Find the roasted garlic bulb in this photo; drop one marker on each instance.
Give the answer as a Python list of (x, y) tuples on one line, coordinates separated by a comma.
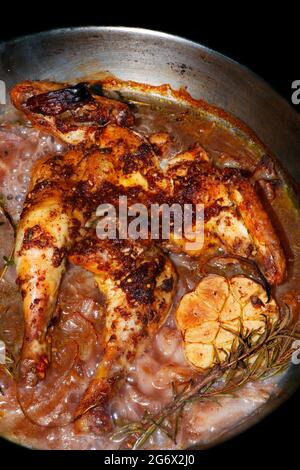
[(217, 313)]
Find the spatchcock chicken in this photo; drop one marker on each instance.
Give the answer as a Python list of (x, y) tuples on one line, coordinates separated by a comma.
[(105, 159)]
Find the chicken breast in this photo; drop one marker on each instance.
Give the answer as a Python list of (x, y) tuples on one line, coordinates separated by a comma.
[(218, 311)]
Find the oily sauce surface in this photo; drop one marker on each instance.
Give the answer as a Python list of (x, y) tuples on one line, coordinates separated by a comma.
[(43, 418)]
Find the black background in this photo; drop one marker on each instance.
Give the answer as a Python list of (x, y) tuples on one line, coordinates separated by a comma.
[(266, 43), (269, 45)]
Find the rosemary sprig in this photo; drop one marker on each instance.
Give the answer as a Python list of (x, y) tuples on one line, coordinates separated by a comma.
[(255, 357), (8, 260), (6, 214)]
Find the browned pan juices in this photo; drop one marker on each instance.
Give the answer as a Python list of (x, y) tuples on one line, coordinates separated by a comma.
[(46, 419)]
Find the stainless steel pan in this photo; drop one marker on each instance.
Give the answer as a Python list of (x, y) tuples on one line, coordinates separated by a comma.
[(157, 58)]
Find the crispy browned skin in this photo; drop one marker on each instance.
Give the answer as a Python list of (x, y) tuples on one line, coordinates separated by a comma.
[(235, 220), (51, 218), (104, 163), (136, 278), (44, 234), (72, 113), (139, 282)]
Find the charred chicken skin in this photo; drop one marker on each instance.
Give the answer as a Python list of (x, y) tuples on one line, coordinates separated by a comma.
[(235, 221), (72, 113), (107, 159), (139, 284)]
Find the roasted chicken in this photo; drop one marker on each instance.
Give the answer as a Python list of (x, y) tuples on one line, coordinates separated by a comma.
[(107, 160)]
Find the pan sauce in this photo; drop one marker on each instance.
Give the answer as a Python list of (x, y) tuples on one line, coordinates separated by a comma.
[(41, 419)]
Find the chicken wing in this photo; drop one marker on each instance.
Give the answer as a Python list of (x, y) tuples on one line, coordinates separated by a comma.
[(51, 218), (235, 221), (72, 113)]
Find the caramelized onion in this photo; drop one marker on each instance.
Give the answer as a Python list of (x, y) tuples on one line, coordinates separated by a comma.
[(48, 404)]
